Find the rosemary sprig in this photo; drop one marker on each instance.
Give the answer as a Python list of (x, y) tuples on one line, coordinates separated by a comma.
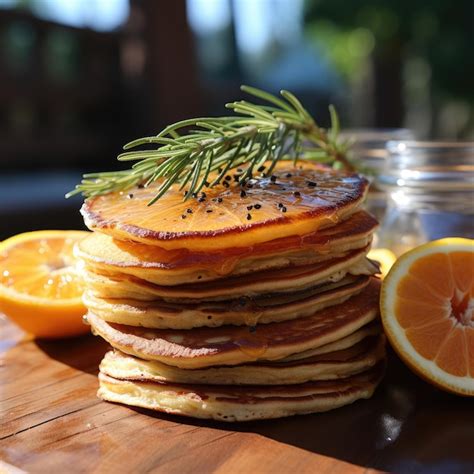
[(187, 152)]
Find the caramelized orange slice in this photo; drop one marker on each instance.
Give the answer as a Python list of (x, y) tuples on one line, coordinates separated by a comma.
[(427, 306), (293, 201)]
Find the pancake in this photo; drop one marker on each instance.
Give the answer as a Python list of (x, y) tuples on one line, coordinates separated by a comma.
[(233, 403), (369, 330), (334, 365), (287, 280), (120, 287), (263, 309), (233, 345), (295, 200), (105, 255)]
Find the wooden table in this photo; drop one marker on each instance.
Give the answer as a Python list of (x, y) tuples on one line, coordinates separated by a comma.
[(51, 421)]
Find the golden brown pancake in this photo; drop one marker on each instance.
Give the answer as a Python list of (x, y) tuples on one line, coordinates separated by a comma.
[(102, 287), (241, 403), (262, 309), (243, 302), (292, 279), (110, 257), (334, 365), (232, 345), (369, 330), (294, 201)]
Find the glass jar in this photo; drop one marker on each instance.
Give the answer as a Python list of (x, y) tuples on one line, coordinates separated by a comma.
[(430, 190), (369, 151)]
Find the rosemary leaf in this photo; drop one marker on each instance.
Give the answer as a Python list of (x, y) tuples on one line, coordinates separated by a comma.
[(199, 152)]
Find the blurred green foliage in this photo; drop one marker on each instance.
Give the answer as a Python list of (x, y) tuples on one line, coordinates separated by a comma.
[(438, 31)]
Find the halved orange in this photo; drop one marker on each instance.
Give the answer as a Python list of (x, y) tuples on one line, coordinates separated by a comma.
[(427, 307), (294, 200), (40, 287)]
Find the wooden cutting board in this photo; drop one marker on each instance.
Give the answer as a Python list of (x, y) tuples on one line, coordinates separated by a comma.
[(51, 421)]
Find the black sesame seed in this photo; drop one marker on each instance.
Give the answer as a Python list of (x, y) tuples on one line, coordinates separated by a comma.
[(194, 195), (189, 211), (243, 194), (203, 194), (206, 183), (297, 194), (249, 217), (226, 184), (185, 193), (261, 168), (228, 178), (312, 184), (219, 199), (183, 216), (130, 196), (288, 175), (140, 186), (273, 178), (208, 210), (283, 209), (249, 208), (201, 199), (240, 170), (280, 205), (258, 206)]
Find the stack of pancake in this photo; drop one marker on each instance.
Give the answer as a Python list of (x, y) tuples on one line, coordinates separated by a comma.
[(242, 302)]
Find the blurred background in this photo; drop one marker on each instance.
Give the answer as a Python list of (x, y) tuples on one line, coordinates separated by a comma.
[(79, 78)]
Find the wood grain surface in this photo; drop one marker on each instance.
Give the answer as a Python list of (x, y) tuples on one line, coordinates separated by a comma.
[(51, 421)]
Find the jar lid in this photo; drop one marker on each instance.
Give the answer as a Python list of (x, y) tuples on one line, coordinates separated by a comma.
[(442, 166), (369, 144)]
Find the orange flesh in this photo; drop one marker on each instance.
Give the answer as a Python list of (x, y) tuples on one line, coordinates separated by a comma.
[(434, 306), (41, 268)]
